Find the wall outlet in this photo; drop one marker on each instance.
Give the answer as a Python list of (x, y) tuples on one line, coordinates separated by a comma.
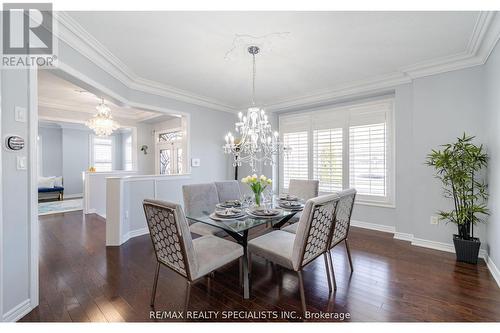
[(434, 220)]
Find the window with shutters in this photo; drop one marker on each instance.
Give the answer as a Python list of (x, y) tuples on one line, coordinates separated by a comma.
[(102, 153), (296, 162), (367, 159), (345, 147), (327, 159)]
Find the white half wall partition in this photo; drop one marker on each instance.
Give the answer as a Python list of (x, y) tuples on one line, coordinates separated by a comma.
[(94, 190), (124, 213)]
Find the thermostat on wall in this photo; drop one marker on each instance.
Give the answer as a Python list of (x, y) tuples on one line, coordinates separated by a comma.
[(195, 162), (14, 142)]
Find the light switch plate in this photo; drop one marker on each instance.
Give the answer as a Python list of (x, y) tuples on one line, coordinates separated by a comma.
[(20, 114), (195, 162), (21, 163)]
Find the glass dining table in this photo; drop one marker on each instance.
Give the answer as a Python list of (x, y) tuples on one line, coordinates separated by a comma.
[(239, 228)]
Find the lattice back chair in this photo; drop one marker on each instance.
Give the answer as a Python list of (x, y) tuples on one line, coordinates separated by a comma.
[(313, 236), (175, 249), (171, 239), (341, 225)]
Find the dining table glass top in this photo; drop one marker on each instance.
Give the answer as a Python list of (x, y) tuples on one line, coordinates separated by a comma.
[(245, 222)]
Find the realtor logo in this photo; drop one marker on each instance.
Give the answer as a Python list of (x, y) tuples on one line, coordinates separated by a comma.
[(27, 35)]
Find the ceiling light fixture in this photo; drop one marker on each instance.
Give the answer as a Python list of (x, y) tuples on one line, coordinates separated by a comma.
[(257, 143), (102, 122)]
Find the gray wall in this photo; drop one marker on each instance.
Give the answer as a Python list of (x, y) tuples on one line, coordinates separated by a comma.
[(75, 153), (14, 233), (492, 75), (51, 138)]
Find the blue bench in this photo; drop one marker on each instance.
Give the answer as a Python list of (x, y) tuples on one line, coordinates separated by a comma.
[(55, 189)]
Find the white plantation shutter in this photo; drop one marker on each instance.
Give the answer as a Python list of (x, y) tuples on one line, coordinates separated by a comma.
[(349, 146), (295, 163), (327, 159), (367, 159)]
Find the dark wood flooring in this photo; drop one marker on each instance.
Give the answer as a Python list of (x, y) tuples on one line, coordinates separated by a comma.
[(82, 280)]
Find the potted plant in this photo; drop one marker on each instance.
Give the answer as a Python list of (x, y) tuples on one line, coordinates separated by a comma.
[(458, 166), (258, 185)]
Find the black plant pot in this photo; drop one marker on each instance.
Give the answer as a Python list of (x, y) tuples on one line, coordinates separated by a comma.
[(467, 250)]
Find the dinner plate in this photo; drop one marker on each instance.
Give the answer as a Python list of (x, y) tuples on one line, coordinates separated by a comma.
[(292, 205), (229, 213), (214, 216), (229, 204), (264, 213), (289, 198)]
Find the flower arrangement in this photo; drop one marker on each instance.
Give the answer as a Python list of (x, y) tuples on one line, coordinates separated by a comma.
[(258, 185)]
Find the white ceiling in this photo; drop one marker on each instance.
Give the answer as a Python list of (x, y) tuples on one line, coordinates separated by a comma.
[(55, 93), (304, 52)]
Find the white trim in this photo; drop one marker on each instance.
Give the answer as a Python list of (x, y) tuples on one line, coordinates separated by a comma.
[(493, 268), (33, 183), (482, 41), (135, 233), (1, 207), (403, 236), (373, 226), (73, 196), (83, 42), (17, 312)]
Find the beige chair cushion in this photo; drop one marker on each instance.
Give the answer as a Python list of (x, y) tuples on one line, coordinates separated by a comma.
[(291, 228), (203, 229), (213, 252), (276, 246)]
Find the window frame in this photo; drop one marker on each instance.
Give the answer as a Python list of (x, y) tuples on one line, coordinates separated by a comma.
[(92, 151), (343, 115), (174, 148)]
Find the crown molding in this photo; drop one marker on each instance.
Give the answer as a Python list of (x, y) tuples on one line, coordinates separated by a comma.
[(483, 39), (53, 105), (73, 34), (379, 83)]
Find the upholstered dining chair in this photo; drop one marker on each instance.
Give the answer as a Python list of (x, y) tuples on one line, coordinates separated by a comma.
[(304, 189), (200, 199), (176, 250), (341, 227), (294, 251), (342, 223), (228, 190)]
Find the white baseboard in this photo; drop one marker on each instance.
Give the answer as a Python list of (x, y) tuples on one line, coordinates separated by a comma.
[(135, 233), (72, 196), (19, 311), (373, 226), (493, 268), (440, 246), (403, 236)]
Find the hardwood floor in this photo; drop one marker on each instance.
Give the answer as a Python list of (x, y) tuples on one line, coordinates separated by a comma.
[(82, 280)]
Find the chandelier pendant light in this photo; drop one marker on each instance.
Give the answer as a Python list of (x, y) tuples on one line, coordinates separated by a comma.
[(102, 122), (255, 142)]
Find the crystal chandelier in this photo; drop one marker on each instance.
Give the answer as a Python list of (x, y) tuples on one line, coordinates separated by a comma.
[(256, 141), (102, 123)]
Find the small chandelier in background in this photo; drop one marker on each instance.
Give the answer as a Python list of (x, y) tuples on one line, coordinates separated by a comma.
[(256, 141), (102, 123)]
